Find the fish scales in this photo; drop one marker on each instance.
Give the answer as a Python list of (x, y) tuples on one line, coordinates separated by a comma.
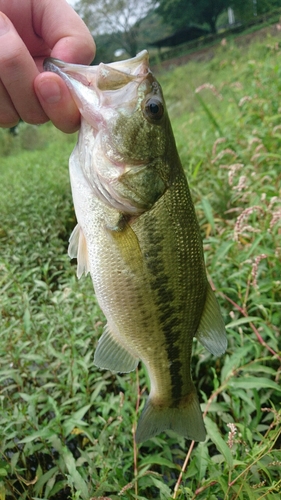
[(171, 286), (139, 238)]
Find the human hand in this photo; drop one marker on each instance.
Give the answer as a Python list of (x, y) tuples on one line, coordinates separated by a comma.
[(30, 31)]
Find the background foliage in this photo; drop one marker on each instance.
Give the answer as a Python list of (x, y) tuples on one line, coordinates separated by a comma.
[(66, 428), (127, 27), (192, 11), (208, 12)]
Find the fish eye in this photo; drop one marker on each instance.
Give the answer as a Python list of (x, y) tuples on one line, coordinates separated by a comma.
[(153, 109)]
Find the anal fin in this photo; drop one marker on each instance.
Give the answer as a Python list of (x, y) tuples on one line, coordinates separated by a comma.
[(78, 249), (211, 330), (113, 356)]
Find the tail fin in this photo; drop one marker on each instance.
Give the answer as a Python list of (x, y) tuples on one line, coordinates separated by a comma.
[(185, 419)]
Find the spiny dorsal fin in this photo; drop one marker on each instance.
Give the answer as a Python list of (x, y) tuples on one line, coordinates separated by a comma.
[(211, 330), (78, 249)]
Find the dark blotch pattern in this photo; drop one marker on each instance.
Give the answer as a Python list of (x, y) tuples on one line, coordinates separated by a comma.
[(168, 312)]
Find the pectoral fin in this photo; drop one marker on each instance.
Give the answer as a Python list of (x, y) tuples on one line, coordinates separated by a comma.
[(78, 249), (127, 242), (111, 355), (211, 330)]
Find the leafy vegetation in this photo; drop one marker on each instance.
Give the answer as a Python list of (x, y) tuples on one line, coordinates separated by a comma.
[(198, 11), (122, 28), (66, 428), (119, 20)]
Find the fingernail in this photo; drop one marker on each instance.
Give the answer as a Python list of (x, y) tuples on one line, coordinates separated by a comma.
[(50, 92), (4, 26)]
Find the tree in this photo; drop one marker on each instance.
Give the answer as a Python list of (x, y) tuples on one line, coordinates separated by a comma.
[(181, 13), (247, 9), (120, 18)]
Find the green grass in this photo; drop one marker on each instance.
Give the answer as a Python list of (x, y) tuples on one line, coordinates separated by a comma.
[(66, 428)]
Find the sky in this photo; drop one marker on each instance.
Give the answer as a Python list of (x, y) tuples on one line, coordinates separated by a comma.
[(71, 2)]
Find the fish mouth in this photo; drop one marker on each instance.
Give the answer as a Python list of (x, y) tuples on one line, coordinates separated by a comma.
[(111, 76), (107, 95), (104, 86)]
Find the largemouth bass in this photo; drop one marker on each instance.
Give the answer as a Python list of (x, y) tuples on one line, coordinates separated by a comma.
[(138, 236)]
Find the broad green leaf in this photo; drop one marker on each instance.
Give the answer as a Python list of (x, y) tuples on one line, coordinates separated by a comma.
[(203, 458), (79, 414), (14, 461), (97, 390), (216, 438), (157, 459), (27, 321), (234, 361), (243, 321), (164, 489), (44, 433), (74, 475), (215, 407), (208, 211), (50, 474), (254, 383), (260, 368)]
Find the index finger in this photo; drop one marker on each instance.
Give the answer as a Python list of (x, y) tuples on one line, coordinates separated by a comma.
[(64, 32), (18, 71), (70, 41)]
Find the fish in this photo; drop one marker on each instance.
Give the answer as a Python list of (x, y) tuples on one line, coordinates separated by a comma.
[(138, 236)]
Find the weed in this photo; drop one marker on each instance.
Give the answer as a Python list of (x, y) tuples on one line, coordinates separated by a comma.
[(66, 428)]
